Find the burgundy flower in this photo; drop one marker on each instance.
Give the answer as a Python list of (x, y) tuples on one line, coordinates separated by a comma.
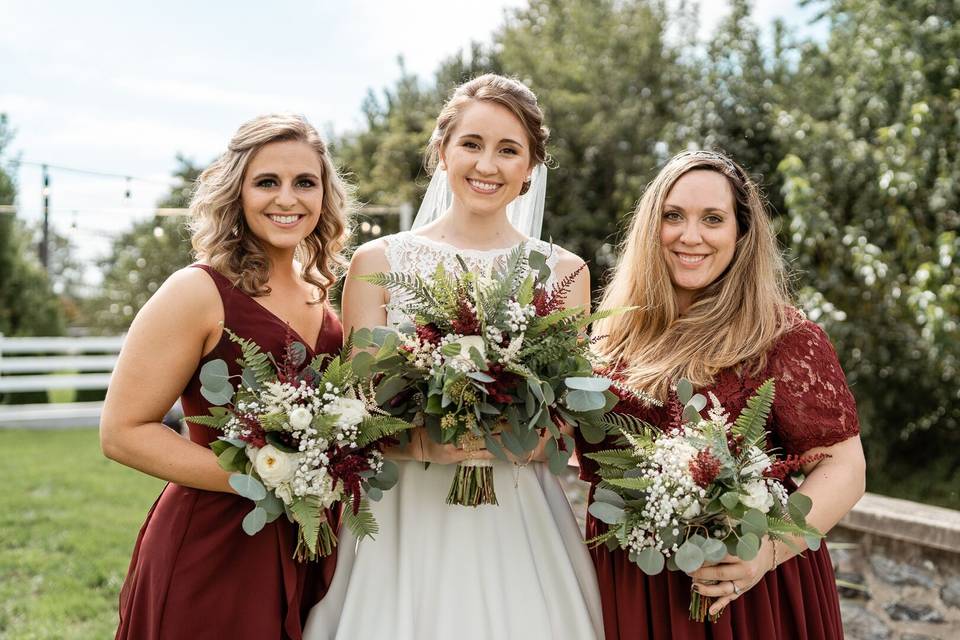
[(546, 302), (465, 323), (503, 382), (429, 333), (257, 437), (791, 464), (705, 467)]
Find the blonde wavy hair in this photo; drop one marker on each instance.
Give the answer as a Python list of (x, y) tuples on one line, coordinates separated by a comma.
[(732, 322), (221, 237)]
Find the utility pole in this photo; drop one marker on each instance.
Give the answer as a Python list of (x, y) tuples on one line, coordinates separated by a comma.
[(45, 242)]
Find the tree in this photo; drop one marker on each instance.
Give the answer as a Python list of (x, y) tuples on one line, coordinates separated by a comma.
[(143, 257), (872, 188), (28, 306)]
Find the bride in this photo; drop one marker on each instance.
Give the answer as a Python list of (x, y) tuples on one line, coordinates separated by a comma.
[(435, 571)]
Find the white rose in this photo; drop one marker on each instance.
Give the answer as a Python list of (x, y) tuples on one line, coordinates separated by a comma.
[(759, 462), (274, 466), (471, 342), (284, 493), (691, 511), (300, 418), (350, 411), (756, 496)]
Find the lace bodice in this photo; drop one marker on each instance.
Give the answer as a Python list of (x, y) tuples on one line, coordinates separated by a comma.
[(412, 253), (812, 406)]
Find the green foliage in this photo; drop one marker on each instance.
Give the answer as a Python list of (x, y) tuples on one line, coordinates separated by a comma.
[(752, 421), (141, 259), (362, 523), (376, 427)]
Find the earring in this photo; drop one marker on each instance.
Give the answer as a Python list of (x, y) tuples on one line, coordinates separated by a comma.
[(525, 187)]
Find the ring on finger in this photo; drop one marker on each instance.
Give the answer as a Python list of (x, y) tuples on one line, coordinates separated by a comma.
[(736, 589)]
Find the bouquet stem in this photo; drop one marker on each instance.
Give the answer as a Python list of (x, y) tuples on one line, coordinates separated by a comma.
[(473, 484), (321, 547), (700, 607)]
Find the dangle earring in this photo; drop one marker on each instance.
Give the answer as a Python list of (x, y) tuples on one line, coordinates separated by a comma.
[(525, 187)]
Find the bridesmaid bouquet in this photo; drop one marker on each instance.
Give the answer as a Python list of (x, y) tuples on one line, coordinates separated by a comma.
[(490, 361), (699, 490), (300, 437)]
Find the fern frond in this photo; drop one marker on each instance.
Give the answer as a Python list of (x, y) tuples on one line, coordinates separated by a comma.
[(614, 421), (362, 523), (215, 422), (619, 458), (376, 427), (253, 358), (634, 484), (751, 423)]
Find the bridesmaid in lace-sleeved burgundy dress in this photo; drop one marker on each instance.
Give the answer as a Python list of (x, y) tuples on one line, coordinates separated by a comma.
[(701, 263), (273, 196)]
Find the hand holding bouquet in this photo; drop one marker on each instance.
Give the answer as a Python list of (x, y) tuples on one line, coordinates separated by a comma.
[(491, 360), (300, 437), (698, 491)]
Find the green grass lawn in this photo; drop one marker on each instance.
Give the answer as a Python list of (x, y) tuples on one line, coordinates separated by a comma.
[(68, 521)]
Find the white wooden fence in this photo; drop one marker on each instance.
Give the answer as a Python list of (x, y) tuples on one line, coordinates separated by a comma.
[(42, 364)]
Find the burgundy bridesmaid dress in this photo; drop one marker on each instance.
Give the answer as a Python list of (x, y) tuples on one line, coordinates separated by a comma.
[(194, 572), (813, 407)]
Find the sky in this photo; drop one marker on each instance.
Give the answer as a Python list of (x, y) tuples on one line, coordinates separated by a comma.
[(121, 87)]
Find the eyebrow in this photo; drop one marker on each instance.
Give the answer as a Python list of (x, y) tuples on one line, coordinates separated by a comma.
[(479, 137), (667, 205), (260, 176)]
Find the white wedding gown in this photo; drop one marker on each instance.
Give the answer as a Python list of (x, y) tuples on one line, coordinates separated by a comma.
[(517, 570)]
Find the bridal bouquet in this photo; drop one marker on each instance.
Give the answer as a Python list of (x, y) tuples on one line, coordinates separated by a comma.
[(491, 361), (699, 490), (300, 437)]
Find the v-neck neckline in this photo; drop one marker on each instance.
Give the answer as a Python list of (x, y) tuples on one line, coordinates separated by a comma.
[(323, 324)]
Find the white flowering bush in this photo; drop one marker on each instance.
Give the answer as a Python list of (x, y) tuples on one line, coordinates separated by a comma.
[(697, 490), (300, 438)]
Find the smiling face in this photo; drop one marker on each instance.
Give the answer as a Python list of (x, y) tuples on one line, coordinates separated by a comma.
[(698, 232), (487, 158), (282, 194)]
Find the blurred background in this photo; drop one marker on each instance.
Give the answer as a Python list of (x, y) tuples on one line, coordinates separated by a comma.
[(846, 111)]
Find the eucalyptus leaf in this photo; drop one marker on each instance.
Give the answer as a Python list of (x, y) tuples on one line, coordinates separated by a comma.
[(690, 414), (549, 397), (598, 384), (451, 349), (714, 550), (748, 547), (223, 396), (214, 375), (606, 495), (272, 505), (247, 486), (389, 475), (249, 379), (534, 386), (375, 493), (361, 363), (607, 513), (592, 433), (813, 542), (799, 506), (684, 391), (495, 447), (254, 521), (755, 522), (730, 499), (650, 561), (513, 443), (389, 388), (698, 401), (689, 557), (299, 353), (479, 376), (362, 338), (582, 400)]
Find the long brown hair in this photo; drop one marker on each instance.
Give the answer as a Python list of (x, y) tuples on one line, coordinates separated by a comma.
[(733, 321), (501, 90), (220, 234)]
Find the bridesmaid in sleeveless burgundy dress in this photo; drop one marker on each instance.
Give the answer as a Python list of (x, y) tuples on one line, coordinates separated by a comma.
[(194, 572), (721, 297)]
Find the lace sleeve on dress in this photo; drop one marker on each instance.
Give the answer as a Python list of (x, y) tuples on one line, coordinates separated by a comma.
[(813, 406)]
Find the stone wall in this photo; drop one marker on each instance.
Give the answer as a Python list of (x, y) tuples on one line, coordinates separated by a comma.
[(897, 563)]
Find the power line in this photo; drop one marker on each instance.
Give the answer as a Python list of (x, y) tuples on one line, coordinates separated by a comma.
[(90, 172)]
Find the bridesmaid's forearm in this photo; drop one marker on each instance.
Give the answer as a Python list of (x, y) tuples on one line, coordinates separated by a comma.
[(155, 449)]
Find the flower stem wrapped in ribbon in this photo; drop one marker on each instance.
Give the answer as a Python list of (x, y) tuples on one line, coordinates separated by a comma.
[(300, 438), (698, 489), (492, 360)]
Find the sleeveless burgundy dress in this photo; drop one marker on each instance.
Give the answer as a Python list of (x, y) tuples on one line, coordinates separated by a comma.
[(813, 407), (194, 572)]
